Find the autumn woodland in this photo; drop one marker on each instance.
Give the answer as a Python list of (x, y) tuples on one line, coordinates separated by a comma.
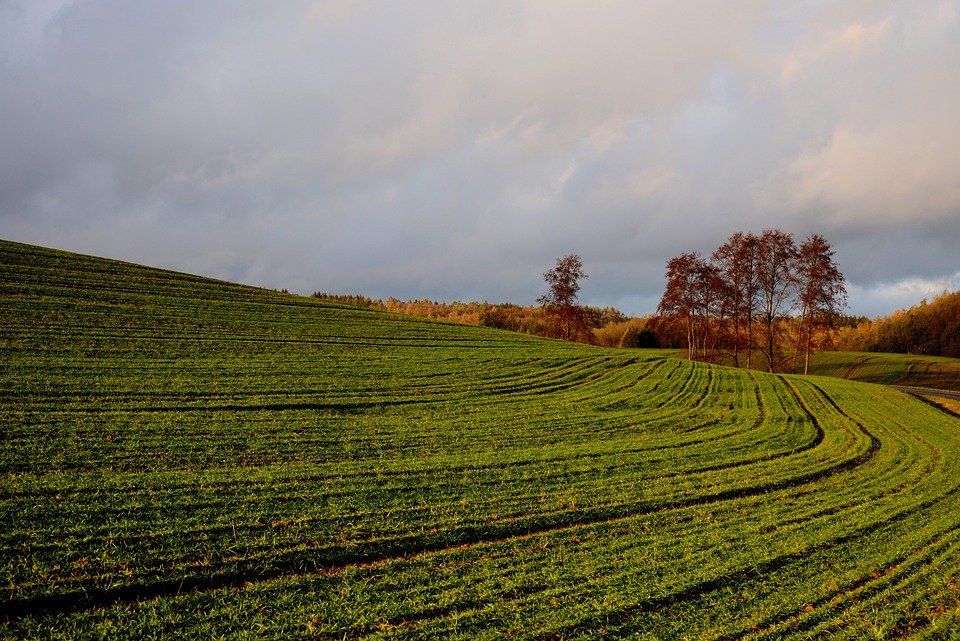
[(759, 301)]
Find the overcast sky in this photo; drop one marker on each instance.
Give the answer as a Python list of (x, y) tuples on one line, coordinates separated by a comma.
[(454, 150)]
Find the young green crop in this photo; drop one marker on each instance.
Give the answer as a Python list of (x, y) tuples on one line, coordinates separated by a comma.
[(186, 456), (936, 372)]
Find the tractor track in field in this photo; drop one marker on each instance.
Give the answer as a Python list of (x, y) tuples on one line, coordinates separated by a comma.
[(798, 620), (743, 576), (177, 447), (337, 559)]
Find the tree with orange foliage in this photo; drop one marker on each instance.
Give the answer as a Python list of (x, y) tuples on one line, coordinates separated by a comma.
[(822, 291), (691, 296), (567, 319), (736, 261), (753, 285)]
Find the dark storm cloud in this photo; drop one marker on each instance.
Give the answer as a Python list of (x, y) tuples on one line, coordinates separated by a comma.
[(454, 150)]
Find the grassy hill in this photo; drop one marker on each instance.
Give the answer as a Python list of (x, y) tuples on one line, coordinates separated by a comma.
[(935, 372), (182, 456)]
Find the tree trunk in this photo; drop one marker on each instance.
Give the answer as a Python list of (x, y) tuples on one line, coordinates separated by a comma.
[(796, 347)]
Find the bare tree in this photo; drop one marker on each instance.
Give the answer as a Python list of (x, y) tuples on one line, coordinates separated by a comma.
[(822, 292), (568, 320)]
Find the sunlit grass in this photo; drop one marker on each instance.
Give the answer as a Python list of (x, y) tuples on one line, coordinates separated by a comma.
[(184, 456), (935, 372)]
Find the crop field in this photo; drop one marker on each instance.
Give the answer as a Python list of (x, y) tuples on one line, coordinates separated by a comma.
[(935, 372), (193, 458), (951, 405)]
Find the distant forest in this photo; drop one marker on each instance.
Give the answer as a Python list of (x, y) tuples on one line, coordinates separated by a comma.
[(930, 328), (609, 326)]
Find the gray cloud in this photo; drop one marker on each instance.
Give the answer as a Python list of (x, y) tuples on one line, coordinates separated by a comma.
[(454, 150)]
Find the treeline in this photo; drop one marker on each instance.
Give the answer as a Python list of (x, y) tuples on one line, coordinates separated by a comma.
[(755, 293), (608, 326), (932, 329)]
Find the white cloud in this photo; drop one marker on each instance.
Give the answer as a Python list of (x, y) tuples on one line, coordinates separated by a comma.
[(523, 122), (609, 133), (931, 24), (895, 173), (825, 48), (647, 183), (882, 298), (567, 173)]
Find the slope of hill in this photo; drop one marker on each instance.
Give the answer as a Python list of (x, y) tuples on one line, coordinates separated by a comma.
[(192, 457), (935, 372)]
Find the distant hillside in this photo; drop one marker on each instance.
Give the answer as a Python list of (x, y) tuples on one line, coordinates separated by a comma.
[(931, 328), (908, 370)]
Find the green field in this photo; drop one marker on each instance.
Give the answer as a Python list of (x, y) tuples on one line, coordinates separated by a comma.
[(890, 369), (190, 458)]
